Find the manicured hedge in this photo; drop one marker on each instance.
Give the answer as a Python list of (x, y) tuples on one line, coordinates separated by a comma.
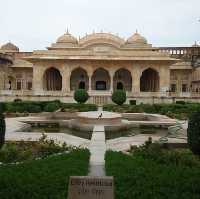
[(44, 106), (42, 179), (193, 133), (140, 177), (81, 96), (28, 106), (179, 111), (119, 97), (78, 107)]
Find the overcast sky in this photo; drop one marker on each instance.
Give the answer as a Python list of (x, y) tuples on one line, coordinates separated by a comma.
[(35, 24)]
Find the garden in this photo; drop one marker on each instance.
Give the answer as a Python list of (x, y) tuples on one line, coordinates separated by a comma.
[(153, 172), (43, 178), (175, 110)]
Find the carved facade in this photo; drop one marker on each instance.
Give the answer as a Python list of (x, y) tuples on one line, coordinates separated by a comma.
[(99, 63)]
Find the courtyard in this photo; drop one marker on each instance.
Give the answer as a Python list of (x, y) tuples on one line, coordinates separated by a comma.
[(102, 140)]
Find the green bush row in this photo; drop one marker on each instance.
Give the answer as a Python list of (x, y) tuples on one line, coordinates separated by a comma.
[(147, 175), (179, 111), (43, 179), (31, 106), (78, 107), (46, 106)]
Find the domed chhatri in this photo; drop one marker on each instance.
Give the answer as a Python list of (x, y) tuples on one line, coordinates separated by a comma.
[(10, 47), (137, 40), (67, 38)]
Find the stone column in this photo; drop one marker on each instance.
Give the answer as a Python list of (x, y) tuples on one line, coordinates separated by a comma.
[(66, 79), (164, 75), (38, 72), (136, 80), (111, 72), (90, 83)]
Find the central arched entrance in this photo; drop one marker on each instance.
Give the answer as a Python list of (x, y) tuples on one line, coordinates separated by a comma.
[(149, 81), (52, 80), (100, 79), (79, 79), (122, 80)]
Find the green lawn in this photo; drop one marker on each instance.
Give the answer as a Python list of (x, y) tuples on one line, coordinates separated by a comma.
[(138, 177), (42, 179)]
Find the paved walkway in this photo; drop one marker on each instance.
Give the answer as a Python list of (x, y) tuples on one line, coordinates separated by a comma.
[(97, 149)]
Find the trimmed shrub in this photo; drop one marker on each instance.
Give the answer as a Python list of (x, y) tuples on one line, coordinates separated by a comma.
[(193, 133), (81, 95), (51, 107), (33, 108), (119, 97), (132, 102), (2, 107), (2, 130), (180, 102), (45, 178), (17, 100)]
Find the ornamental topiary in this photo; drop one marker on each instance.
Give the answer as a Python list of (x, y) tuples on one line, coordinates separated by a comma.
[(81, 96), (51, 107), (193, 133), (2, 129), (119, 97)]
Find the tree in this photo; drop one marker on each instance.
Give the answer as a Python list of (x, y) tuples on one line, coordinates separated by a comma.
[(119, 97), (193, 133), (81, 95), (2, 130)]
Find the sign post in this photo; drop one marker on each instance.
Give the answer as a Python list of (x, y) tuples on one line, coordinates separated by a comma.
[(89, 187)]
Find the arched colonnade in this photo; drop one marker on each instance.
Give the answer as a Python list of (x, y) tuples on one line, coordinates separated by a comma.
[(101, 80)]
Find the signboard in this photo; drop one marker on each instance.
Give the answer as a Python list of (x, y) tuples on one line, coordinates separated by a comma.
[(89, 187)]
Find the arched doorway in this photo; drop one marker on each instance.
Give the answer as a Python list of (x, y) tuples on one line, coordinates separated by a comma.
[(79, 79), (100, 79), (52, 80), (11, 83), (122, 79), (81, 85), (149, 81), (120, 86)]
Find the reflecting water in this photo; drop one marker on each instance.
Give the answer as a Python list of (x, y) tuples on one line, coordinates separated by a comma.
[(135, 131), (57, 129)]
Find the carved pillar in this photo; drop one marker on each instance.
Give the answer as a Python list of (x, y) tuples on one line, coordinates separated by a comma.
[(164, 79), (66, 73), (38, 72), (136, 80), (111, 72)]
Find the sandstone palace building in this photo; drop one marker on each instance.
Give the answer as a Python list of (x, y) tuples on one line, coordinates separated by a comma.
[(101, 63)]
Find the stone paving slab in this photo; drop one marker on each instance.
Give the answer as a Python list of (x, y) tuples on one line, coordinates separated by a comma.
[(97, 149)]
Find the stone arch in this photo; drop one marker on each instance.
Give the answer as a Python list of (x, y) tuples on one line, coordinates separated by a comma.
[(150, 80), (122, 78), (11, 83), (78, 78), (100, 79), (52, 79)]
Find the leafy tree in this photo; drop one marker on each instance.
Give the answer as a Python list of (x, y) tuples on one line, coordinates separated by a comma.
[(81, 95), (119, 97), (193, 133)]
